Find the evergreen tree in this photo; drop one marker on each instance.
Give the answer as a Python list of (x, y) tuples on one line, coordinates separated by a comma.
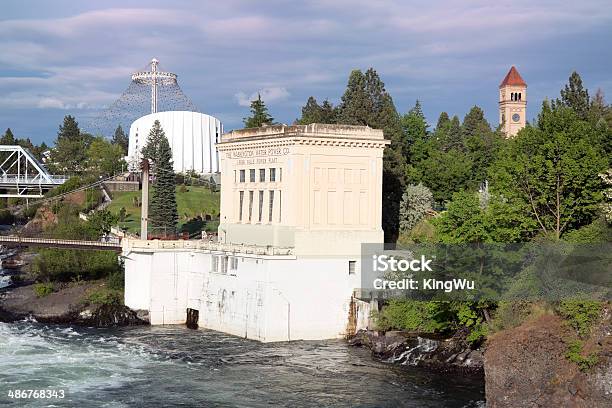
[(8, 138), (355, 108), (328, 112), (151, 149), (312, 112), (414, 127), (443, 121), (454, 137), (575, 96), (475, 123), (121, 139), (366, 102), (69, 154), (259, 114), (163, 210)]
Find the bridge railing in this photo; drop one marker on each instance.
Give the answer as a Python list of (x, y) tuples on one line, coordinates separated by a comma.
[(55, 179)]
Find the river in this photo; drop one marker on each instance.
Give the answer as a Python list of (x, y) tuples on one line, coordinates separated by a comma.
[(174, 366)]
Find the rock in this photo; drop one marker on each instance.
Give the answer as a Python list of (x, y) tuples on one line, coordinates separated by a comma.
[(409, 348), (113, 315), (526, 367)]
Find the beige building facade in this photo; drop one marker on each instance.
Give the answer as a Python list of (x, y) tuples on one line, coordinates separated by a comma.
[(297, 202), (303, 186), (512, 103)]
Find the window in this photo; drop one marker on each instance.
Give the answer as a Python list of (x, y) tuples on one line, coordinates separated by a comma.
[(214, 264), (234, 176), (271, 205), (252, 175), (262, 175), (272, 174), (280, 204), (242, 175), (352, 266), (223, 265), (261, 201), (233, 263), (250, 205), (241, 202), (280, 175)]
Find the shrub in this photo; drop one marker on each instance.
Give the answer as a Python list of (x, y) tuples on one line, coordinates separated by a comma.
[(414, 315), (6, 217), (511, 314), (580, 314), (116, 280), (105, 296), (575, 355), (122, 214), (43, 289), (416, 201)]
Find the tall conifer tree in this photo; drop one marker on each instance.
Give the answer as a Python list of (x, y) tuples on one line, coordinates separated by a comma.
[(259, 114), (163, 210)]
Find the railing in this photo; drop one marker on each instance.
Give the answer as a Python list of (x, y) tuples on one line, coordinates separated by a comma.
[(210, 246), (33, 180), (60, 243)]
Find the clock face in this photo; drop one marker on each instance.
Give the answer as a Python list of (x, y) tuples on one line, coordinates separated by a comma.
[(516, 117)]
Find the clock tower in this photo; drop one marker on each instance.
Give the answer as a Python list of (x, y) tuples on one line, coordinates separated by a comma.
[(512, 103)]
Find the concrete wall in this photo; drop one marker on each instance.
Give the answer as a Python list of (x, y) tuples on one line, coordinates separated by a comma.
[(264, 298)]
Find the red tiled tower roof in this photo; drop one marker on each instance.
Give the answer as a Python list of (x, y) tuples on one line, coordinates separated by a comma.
[(513, 78)]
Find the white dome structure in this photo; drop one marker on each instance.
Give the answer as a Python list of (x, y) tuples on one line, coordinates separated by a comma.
[(192, 137)]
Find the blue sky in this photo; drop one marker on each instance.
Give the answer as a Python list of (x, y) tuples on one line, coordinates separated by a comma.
[(75, 57)]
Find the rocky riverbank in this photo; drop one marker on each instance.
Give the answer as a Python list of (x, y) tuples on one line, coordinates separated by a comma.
[(67, 305), (527, 367), (406, 348)]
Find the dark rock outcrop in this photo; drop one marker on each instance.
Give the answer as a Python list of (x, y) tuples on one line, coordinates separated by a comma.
[(447, 355)]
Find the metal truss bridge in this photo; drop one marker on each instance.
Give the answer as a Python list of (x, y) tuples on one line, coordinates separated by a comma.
[(17, 241), (23, 176)]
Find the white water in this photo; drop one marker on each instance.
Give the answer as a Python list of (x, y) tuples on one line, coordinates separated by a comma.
[(173, 366)]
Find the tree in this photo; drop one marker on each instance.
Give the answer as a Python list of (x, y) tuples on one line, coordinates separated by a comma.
[(443, 121), (414, 127), (575, 96), (551, 171), (467, 221), (104, 158), (367, 103), (446, 172), (69, 153), (416, 202), (163, 211), (151, 149), (259, 114), (121, 139), (312, 112), (8, 138)]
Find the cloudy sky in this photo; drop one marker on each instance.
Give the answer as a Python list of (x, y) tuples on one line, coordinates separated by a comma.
[(75, 57)]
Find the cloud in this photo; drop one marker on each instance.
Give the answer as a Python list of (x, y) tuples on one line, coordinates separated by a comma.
[(80, 61), (268, 95)]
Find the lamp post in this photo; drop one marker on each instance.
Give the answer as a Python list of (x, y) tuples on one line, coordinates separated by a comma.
[(144, 209)]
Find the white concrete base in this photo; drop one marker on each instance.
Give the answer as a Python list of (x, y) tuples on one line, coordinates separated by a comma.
[(265, 298)]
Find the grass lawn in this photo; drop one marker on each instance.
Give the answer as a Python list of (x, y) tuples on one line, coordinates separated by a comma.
[(191, 203)]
